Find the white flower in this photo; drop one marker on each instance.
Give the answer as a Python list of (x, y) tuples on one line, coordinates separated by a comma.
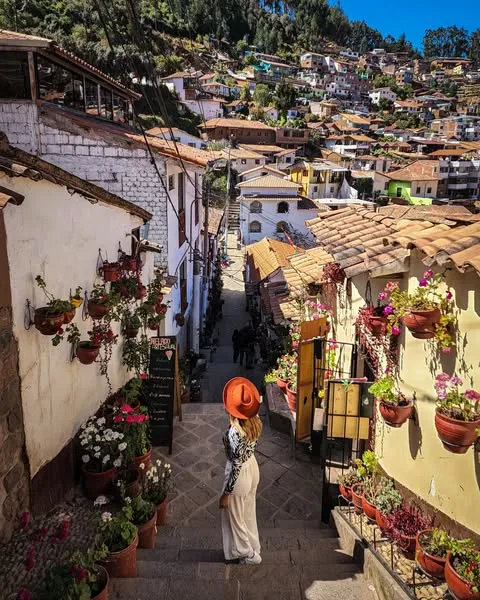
[(142, 466), (96, 448), (115, 435), (100, 501), (101, 421), (85, 458), (149, 475), (106, 516), (106, 458), (155, 480), (120, 436), (159, 462), (83, 441), (97, 455), (98, 438), (122, 446), (117, 463), (167, 465), (128, 500), (84, 425)]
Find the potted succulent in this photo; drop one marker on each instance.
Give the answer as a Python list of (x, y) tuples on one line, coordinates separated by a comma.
[(404, 524), (426, 312), (76, 300), (111, 271), (462, 573), (387, 500), (101, 450), (156, 485), (457, 418), (119, 535), (369, 472), (78, 577), (433, 547), (347, 481), (392, 404), (144, 516), (50, 318), (100, 302)]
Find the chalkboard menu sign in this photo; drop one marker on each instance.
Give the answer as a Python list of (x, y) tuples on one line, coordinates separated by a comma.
[(160, 392)]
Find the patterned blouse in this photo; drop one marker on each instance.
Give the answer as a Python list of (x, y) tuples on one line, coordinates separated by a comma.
[(238, 449)]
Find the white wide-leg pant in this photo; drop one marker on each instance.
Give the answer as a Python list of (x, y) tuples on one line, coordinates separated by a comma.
[(239, 520)]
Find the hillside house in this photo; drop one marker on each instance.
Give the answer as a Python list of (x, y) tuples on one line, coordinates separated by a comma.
[(385, 93), (177, 135), (319, 179), (239, 130), (415, 183), (350, 145)]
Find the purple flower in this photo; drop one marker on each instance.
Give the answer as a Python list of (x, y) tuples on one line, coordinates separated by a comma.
[(396, 330), (388, 310), (449, 295), (423, 283), (428, 273), (472, 395), (456, 380), (382, 295)]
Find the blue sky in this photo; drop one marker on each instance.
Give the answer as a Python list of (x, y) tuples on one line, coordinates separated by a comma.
[(413, 17)]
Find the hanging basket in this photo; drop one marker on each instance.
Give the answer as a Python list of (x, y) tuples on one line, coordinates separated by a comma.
[(46, 323), (456, 436), (395, 415), (97, 311), (87, 352), (110, 271), (422, 323)]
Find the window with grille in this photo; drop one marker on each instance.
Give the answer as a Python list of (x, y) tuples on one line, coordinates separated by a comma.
[(255, 207), (282, 207), (255, 227)]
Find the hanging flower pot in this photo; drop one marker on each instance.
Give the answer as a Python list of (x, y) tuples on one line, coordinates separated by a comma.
[(180, 319), (154, 323), (47, 323), (96, 310), (110, 271), (146, 459), (69, 316), (378, 326), (460, 588), (102, 584), (291, 399), (97, 484), (161, 309), (147, 533), (395, 415), (421, 323), (357, 498), (124, 562), (162, 512), (76, 301), (369, 509), (87, 352), (456, 436), (433, 566), (130, 263)]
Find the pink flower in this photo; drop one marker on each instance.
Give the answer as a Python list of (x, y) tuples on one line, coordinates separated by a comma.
[(472, 395), (446, 350), (23, 594), (131, 419), (382, 296), (126, 408), (455, 380), (388, 310), (118, 419), (449, 295), (396, 330), (143, 375), (315, 316), (24, 520), (423, 283), (428, 273), (391, 285)]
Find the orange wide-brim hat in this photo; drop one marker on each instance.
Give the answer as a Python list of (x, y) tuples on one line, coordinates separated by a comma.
[(241, 398)]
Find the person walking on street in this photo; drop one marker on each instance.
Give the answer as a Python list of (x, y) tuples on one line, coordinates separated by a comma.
[(243, 338), (236, 344), (238, 500), (250, 351)]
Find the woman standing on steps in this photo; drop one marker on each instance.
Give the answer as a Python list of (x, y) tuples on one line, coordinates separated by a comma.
[(238, 501)]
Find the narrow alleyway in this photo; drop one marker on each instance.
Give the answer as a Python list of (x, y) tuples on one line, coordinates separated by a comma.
[(301, 556)]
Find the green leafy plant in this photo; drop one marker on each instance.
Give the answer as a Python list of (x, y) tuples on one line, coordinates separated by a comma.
[(54, 305), (99, 295), (467, 564), (134, 426), (385, 389), (437, 542), (271, 376), (136, 354), (388, 498), (117, 532), (156, 482), (142, 510), (349, 478), (369, 472), (72, 333)]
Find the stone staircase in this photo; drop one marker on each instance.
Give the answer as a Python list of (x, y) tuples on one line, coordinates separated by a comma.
[(301, 560), (233, 215)]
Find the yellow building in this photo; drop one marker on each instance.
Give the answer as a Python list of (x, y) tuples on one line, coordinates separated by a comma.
[(319, 179)]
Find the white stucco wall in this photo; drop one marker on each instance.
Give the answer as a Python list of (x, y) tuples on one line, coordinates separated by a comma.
[(57, 235), (241, 165)]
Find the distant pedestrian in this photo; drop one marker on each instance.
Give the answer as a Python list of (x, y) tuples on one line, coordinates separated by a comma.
[(243, 341), (236, 344), (238, 500)]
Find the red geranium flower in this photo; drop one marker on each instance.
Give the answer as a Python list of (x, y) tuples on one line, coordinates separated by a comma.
[(131, 419), (118, 419), (143, 375), (126, 409)]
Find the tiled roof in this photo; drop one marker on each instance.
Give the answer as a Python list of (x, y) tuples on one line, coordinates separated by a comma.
[(355, 236), (236, 124), (215, 216), (241, 153), (177, 75), (261, 148), (268, 255), (420, 170), (356, 119), (451, 152), (305, 268), (275, 172), (269, 181)]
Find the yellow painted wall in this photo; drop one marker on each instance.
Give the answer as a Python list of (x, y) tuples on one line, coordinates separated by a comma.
[(413, 455)]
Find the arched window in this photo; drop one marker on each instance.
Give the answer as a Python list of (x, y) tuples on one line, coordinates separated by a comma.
[(255, 207), (282, 227), (255, 227), (282, 207)]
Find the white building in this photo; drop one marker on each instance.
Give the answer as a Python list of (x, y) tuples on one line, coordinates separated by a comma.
[(178, 135), (349, 145), (270, 206), (261, 171), (385, 92), (244, 160)]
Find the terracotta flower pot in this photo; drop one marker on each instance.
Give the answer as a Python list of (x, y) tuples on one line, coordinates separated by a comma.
[(97, 311), (456, 436), (369, 509), (131, 332), (110, 271), (421, 323), (132, 483), (162, 512), (346, 491), (124, 562), (395, 415), (282, 384), (291, 399), (381, 520), (130, 263), (378, 326), (69, 316), (153, 325), (406, 544), (147, 533), (86, 354), (357, 498), (103, 594), (434, 566), (146, 459), (97, 484), (46, 323), (459, 587)]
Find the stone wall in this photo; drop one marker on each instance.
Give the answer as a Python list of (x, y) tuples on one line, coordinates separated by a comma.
[(14, 479)]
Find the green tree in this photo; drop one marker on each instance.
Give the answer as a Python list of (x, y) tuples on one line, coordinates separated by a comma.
[(449, 41), (475, 46), (245, 93), (262, 95), (285, 96), (385, 104)]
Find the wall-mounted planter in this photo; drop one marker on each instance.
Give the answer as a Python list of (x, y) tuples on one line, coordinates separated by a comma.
[(456, 436), (421, 323), (378, 326), (97, 311), (291, 399), (87, 352), (69, 316), (130, 263), (395, 415), (46, 323)]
